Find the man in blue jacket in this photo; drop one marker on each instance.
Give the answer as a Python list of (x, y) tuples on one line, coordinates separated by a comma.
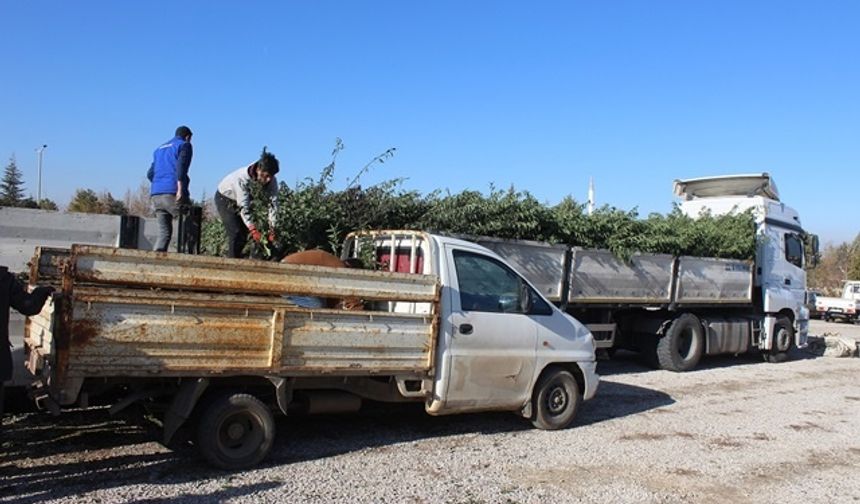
[(169, 177)]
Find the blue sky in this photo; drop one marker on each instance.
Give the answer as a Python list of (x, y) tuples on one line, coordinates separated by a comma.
[(541, 95)]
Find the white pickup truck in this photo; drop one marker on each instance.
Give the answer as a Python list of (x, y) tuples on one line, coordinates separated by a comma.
[(842, 308), (216, 340)]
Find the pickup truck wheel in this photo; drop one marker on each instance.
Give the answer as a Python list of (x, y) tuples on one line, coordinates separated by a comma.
[(555, 400), (783, 341), (681, 348), (236, 431)]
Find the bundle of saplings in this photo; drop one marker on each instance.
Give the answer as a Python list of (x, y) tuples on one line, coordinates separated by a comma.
[(313, 215)]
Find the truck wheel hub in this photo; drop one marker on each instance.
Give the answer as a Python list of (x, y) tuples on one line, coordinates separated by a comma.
[(782, 340), (557, 400), (235, 431)]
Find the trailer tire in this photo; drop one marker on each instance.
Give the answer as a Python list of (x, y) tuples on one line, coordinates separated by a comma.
[(783, 341), (555, 400), (236, 431), (681, 348)]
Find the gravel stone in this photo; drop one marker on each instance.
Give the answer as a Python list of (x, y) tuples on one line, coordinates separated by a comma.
[(734, 430)]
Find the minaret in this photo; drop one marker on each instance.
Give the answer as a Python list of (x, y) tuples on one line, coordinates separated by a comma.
[(590, 207)]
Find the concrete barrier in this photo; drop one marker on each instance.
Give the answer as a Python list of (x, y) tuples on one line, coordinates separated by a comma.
[(23, 229)]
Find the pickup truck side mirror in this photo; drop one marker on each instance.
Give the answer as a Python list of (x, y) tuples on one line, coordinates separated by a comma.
[(526, 300)]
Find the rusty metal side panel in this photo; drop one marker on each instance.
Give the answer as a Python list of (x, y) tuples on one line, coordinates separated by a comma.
[(91, 293), (119, 339), (121, 336), (357, 341), (125, 267)]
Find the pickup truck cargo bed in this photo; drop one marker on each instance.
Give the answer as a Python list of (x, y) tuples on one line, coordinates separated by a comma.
[(135, 314)]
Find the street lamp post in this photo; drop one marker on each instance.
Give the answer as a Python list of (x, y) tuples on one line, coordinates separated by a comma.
[(39, 152)]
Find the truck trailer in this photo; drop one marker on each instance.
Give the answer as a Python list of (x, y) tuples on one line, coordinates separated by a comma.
[(674, 310)]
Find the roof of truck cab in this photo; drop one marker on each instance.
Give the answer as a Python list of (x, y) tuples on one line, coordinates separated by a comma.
[(750, 184), (764, 209), (430, 236), (443, 239)]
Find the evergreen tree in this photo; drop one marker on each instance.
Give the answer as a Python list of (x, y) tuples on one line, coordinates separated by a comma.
[(85, 201), (47, 204), (12, 186)]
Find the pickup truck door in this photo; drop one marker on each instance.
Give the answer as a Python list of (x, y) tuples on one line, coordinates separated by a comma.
[(493, 343)]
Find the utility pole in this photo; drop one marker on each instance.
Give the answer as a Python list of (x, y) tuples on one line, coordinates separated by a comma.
[(39, 152)]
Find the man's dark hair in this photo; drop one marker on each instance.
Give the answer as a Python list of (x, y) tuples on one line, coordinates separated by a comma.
[(183, 131), (268, 163)]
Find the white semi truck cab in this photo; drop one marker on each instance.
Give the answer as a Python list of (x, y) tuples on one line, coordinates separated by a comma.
[(778, 275)]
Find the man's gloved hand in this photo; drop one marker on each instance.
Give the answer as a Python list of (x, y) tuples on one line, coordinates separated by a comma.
[(42, 293), (43, 290), (255, 233)]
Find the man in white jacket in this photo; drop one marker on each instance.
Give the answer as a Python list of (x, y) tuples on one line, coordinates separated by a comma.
[(233, 201)]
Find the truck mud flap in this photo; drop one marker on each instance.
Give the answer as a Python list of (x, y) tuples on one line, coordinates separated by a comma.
[(182, 405), (283, 391)]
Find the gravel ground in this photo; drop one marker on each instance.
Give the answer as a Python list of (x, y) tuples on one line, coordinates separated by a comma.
[(819, 327), (736, 430)]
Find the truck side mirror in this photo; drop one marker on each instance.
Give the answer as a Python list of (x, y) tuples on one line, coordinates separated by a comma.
[(815, 256)]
